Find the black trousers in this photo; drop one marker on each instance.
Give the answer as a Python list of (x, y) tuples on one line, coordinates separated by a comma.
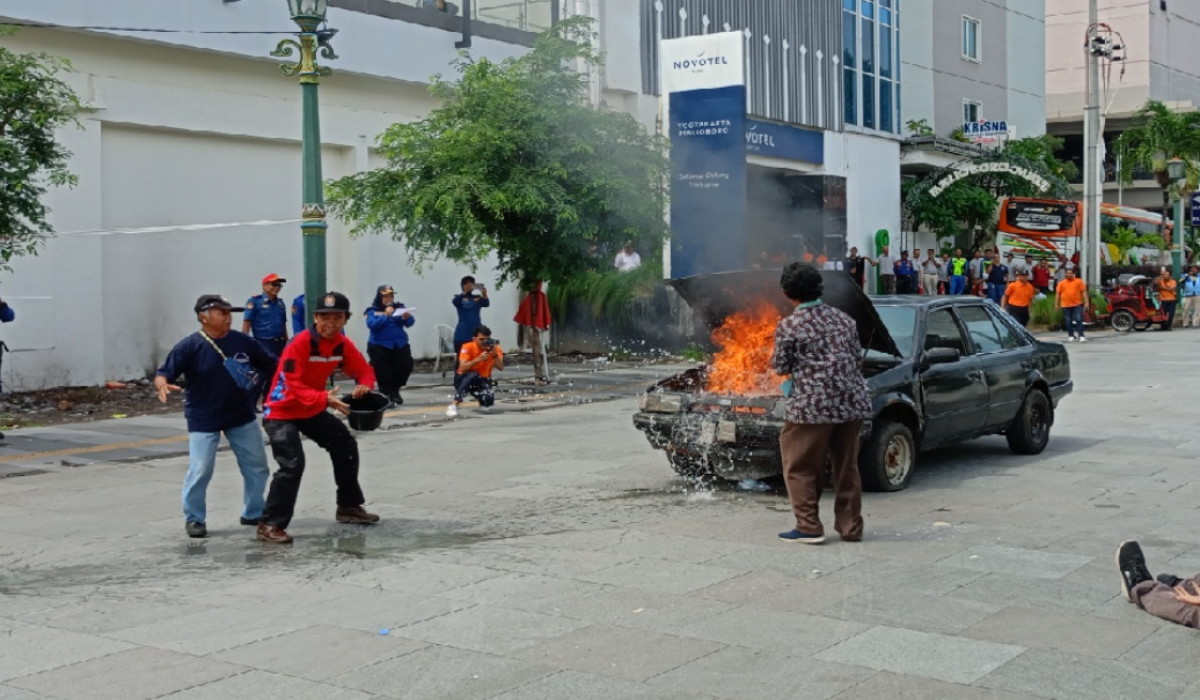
[(458, 348), (1020, 313), (393, 367), (1168, 308), (331, 435), (274, 346), (475, 385)]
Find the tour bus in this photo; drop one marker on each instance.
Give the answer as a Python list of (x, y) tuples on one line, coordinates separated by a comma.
[(1048, 228)]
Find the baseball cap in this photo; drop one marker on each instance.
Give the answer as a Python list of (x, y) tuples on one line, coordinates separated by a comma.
[(385, 289), (214, 301), (273, 278), (333, 301)]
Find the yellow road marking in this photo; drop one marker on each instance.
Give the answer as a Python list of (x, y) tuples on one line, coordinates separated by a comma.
[(134, 444)]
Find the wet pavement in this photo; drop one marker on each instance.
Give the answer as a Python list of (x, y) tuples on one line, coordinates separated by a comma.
[(550, 553)]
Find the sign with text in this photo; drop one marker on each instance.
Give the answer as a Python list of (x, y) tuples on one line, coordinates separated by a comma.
[(1196, 209), (773, 140), (706, 94)]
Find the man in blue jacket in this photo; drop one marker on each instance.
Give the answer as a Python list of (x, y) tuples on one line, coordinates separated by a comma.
[(7, 315), (388, 348)]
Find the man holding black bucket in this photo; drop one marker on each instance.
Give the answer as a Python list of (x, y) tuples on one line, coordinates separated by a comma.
[(296, 405)]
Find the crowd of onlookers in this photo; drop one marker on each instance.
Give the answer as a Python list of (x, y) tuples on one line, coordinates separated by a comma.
[(984, 273)]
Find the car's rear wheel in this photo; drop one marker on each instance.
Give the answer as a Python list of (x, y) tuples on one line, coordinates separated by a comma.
[(1123, 321), (887, 460), (1030, 430)]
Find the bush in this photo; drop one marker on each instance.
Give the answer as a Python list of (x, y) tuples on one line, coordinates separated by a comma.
[(1043, 312)]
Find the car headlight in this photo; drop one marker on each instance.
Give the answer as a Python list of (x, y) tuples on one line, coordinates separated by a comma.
[(659, 402)]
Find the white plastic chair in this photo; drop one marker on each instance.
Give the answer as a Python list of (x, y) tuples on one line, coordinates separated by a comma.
[(445, 347)]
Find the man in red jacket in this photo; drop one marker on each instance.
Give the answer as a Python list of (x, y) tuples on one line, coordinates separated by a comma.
[(296, 406)]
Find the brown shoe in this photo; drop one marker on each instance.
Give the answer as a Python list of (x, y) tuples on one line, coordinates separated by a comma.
[(270, 533), (355, 514)]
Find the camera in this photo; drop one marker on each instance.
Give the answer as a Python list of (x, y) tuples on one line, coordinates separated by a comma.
[(487, 343)]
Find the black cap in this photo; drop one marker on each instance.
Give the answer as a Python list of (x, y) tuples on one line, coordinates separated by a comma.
[(214, 301), (333, 301)]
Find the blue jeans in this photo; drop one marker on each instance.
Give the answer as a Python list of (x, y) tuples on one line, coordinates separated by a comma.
[(957, 284), (996, 291), (1073, 320), (246, 441)]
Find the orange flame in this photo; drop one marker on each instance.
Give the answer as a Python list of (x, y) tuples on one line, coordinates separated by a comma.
[(743, 365)]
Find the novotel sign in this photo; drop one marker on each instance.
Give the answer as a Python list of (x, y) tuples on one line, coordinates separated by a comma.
[(700, 62)]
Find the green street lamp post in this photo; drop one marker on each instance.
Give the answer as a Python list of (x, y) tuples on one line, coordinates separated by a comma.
[(309, 15), (1176, 172)]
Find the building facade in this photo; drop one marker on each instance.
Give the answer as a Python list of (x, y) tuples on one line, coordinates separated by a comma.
[(188, 159), (1160, 40)]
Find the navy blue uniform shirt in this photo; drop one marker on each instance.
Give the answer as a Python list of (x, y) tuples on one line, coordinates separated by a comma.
[(212, 401), (468, 306), (268, 319), (297, 314)]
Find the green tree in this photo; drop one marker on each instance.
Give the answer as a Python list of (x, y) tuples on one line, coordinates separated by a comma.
[(1158, 134), (969, 207), (34, 103), (515, 162)]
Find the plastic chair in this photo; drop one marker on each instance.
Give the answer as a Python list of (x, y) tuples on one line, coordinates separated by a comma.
[(445, 347)]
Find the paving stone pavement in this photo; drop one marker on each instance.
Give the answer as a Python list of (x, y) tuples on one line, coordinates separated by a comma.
[(546, 554)]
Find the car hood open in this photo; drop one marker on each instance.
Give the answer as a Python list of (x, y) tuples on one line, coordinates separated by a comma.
[(718, 295)]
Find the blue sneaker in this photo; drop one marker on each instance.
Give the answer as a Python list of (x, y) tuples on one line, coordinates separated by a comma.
[(797, 536)]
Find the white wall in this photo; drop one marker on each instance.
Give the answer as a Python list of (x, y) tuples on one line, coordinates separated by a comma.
[(917, 73), (1026, 82), (871, 166), (205, 132)]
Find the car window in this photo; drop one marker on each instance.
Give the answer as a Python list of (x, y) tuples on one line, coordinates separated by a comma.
[(900, 322), (1008, 339), (981, 328), (942, 331)]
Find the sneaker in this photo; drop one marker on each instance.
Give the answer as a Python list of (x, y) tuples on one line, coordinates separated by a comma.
[(452, 411), (1070, 339), (1132, 566), (250, 521), (195, 529), (797, 536), (270, 533), (355, 514), (397, 400), (1082, 339)]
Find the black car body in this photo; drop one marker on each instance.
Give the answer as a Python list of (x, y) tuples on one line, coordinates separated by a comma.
[(940, 370)]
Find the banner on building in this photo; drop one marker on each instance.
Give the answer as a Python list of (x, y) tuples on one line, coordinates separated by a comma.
[(704, 85)]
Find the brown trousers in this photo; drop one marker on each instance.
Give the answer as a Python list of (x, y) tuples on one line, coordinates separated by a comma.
[(804, 448), (1159, 600)]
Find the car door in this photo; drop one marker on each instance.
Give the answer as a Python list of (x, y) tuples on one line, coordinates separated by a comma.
[(1006, 361), (954, 394)]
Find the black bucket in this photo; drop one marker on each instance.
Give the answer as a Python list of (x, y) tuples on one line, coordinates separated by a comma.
[(366, 413)]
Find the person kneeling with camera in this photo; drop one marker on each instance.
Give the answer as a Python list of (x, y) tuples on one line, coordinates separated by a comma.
[(476, 360)]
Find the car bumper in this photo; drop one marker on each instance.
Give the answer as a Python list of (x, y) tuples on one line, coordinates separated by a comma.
[(1058, 391), (734, 449)]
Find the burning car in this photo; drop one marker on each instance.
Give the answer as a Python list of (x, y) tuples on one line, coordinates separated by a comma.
[(940, 370)]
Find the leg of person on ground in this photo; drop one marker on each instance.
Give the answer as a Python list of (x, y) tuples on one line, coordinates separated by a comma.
[(1161, 597), (804, 448), (202, 459), (246, 441), (404, 370), (1191, 312), (1168, 308), (847, 482)]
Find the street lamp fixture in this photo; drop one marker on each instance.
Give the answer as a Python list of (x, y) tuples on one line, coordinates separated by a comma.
[(1176, 168), (312, 41)]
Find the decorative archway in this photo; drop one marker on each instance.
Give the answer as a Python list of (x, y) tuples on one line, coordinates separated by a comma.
[(957, 173)]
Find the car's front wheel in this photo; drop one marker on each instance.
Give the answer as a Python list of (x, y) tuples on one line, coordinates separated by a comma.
[(1030, 430), (886, 462)]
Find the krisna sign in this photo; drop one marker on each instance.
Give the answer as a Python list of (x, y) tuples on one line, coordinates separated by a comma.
[(975, 168)]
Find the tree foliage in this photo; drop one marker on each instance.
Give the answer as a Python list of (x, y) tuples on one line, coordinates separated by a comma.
[(515, 162), (969, 206), (34, 103), (1158, 134)]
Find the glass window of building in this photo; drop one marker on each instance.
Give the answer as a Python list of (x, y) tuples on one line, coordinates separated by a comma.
[(972, 111), (871, 64), (970, 38)]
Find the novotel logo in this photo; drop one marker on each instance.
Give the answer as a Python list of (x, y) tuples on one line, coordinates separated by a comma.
[(700, 61)]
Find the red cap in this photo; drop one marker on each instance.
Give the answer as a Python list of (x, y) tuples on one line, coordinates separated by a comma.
[(273, 278)]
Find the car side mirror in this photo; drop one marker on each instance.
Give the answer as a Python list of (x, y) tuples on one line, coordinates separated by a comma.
[(941, 356)]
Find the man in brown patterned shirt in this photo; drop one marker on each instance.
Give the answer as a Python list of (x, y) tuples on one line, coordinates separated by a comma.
[(817, 346)]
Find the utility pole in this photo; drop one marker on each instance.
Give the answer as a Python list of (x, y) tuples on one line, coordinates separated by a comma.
[(1092, 167)]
